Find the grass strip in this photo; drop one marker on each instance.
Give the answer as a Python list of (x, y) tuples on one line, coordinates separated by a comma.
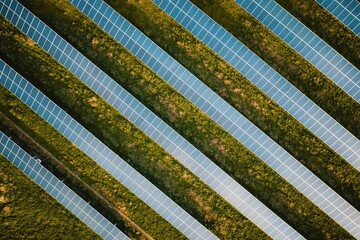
[(244, 166), (125, 139), (326, 26), (28, 211)]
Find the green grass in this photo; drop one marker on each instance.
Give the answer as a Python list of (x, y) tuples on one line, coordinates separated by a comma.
[(28, 212), (125, 139)]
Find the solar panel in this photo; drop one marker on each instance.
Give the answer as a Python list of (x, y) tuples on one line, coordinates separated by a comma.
[(101, 154), (170, 140), (347, 11), (291, 99), (57, 189), (306, 43), (266, 78)]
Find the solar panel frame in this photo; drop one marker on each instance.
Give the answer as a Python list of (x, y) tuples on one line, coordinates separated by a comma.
[(56, 188)]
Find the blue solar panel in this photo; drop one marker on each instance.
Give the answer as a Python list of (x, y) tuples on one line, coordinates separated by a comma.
[(151, 45), (307, 43), (286, 95), (347, 11), (101, 154), (57, 189), (171, 141), (281, 91)]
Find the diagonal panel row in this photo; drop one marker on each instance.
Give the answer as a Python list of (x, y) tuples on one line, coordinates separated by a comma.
[(306, 43), (158, 130), (102, 155), (264, 77), (217, 109), (347, 11), (57, 189)]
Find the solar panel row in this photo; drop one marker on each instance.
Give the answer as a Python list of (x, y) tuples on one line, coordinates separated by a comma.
[(306, 43), (210, 32), (163, 64), (266, 78), (76, 57), (347, 11), (187, 154), (162, 133), (57, 189), (102, 155)]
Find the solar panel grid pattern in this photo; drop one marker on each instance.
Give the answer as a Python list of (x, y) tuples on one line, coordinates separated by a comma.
[(172, 142), (264, 77), (101, 154), (306, 43), (57, 189), (179, 16), (347, 11), (103, 20)]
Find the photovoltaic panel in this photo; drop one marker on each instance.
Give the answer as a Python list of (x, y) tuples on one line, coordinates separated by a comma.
[(347, 11), (164, 135), (282, 92), (57, 189), (101, 154), (157, 60), (266, 78), (306, 43)]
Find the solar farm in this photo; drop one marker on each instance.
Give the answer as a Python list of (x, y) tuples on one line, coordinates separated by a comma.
[(180, 119)]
